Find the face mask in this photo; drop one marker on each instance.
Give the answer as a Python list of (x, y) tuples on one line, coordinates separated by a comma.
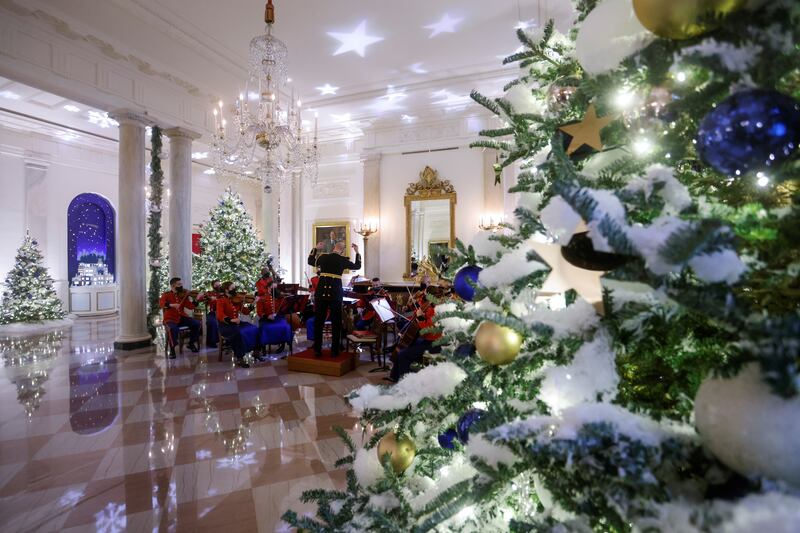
[(179, 288), (265, 275)]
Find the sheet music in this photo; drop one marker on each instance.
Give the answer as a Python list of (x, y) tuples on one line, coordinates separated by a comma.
[(384, 310)]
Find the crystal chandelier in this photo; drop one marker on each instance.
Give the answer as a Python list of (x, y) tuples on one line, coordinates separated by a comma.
[(265, 139)]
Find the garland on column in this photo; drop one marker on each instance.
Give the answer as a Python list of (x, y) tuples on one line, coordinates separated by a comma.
[(154, 232)]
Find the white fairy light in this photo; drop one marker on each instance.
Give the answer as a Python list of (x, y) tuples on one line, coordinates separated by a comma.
[(643, 146), (624, 98)]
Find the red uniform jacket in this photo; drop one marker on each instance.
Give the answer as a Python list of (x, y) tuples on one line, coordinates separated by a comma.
[(266, 306), (210, 298), (427, 322), (227, 309), (262, 286), (172, 315), (314, 282)]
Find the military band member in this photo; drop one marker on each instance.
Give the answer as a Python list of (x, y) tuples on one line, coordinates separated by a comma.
[(328, 295), (210, 299), (174, 302), (230, 326)]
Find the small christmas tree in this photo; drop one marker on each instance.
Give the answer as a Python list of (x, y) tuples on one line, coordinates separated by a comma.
[(231, 250), (29, 295)]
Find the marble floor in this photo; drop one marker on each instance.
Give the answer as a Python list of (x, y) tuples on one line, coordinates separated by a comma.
[(93, 439)]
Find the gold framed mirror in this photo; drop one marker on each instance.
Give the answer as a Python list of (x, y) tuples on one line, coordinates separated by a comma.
[(430, 219)]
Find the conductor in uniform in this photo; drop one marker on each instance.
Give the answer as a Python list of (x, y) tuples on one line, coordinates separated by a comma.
[(328, 296)]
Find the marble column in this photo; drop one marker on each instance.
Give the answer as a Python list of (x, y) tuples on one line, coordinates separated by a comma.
[(180, 203), (372, 211), (270, 199), (298, 253), (36, 200), (131, 232)]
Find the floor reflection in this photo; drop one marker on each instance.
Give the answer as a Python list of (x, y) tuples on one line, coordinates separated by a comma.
[(93, 389), (97, 440), (27, 362)]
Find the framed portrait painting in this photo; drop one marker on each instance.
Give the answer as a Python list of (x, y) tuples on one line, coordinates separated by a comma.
[(329, 233)]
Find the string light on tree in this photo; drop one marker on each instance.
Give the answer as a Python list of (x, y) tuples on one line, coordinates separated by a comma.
[(29, 295)]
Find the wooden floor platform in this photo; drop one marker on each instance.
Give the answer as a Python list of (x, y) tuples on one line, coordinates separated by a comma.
[(326, 365)]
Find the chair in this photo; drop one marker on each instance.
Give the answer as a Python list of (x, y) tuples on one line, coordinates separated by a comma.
[(183, 334), (222, 345), (370, 338)]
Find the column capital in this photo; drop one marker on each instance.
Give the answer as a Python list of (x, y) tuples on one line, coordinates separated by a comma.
[(36, 160), (371, 156), (130, 116), (182, 133)]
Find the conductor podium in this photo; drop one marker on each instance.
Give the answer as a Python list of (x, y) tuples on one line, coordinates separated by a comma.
[(305, 361)]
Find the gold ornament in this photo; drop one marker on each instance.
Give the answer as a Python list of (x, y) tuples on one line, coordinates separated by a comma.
[(682, 19), (565, 276), (496, 344), (587, 131), (401, 451)]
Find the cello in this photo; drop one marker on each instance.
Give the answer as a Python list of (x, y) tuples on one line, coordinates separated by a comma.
[(412, 329)]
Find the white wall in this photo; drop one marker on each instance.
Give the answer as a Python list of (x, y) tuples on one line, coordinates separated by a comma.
[(338, 196), (12, 201), (73, 169), (462, 167)]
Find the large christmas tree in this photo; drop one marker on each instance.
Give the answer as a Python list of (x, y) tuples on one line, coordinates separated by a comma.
[(629, 360), (29, 295), (230, 248)]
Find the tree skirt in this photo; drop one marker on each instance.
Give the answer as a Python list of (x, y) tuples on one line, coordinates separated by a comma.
[(32, 328)]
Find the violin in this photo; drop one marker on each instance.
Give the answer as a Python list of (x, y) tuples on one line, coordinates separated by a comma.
[(243, 298), (188, 294)]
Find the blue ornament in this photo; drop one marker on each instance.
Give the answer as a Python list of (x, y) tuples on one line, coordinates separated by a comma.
[(446, 439), (466, 421), (465, 350), (460, 284), (748, 131)]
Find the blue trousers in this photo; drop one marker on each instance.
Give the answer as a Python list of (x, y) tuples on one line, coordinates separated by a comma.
[(212, 330), (191, 323), (233, 334), (411, 355), (250, 336), (274, 331)]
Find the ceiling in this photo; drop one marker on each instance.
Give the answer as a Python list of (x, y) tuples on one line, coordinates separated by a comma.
[(417, 54)]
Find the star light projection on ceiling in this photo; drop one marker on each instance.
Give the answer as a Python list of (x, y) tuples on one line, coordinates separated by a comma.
[(327, 89), (356, 41), (446, 24)]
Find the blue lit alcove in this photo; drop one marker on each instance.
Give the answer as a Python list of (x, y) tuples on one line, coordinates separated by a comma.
[(90, 233)]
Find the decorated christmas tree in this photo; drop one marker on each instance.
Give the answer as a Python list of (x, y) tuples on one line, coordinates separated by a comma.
[(625, 356), (29, 295), (230, 248)]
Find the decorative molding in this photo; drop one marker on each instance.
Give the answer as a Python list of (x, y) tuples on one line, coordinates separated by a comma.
[(430, 185), (182, 133), (331, 189), (64, 29), (128, 116)]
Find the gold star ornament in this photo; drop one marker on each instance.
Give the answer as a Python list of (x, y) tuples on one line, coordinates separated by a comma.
[(587, 131)]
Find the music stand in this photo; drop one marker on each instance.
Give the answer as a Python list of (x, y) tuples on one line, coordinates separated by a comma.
[(386, 315)]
